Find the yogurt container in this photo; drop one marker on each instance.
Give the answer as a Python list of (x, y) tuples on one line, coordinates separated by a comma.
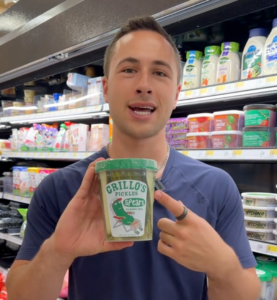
[(263, 115), (267, 291), (264, 260), (201, 122), (226, 139), (258, 137), (259, 223), (259, 199), (259, 211), (228, 120), (265, 235), (199, 140), (127, 197)]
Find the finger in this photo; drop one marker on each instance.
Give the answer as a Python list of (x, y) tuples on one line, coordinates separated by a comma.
[(87, 180), (95, 186), (167, 226), (165, 249), (175, 207), (168, 239), (108, 246)]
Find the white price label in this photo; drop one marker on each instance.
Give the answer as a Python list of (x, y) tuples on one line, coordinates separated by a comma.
[(106, 106), (263, 153), (227, 154)]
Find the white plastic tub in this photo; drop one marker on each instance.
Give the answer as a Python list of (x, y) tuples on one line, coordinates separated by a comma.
[(265, 235), (260, 223), (259, 211), (259, 199)]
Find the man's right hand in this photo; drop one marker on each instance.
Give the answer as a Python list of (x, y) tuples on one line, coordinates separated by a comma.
[(80, 230)]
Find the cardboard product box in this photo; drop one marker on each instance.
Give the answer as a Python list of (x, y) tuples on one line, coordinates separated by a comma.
[(99, 136), (78, 137)]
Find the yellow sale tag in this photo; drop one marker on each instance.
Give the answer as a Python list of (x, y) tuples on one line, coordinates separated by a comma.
[(56, 154), (48, 154), (237, 152), (85, 109), (188, 93), (209, 153), (273, 152), (74, 154), (271, 79), (239, 84), (185, 153), (272, 248), (220, 88), (203, 91)]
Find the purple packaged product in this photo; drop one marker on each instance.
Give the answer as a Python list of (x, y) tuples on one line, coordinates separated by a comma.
[(177, 124), (179, 145), (177, 135)]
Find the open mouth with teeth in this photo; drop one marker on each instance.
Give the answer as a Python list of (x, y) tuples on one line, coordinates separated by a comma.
[(142, 110)]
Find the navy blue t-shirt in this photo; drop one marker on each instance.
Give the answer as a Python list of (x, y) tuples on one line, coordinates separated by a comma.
[(141, 272)]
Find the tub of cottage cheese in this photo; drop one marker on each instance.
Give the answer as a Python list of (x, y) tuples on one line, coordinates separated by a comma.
[(259, 223), (259, 211), (265, 235), (259, 199), (127, 197)]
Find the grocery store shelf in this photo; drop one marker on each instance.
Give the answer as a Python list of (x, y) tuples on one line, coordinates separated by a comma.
[(261, 154), (47, 155), (59, 115), (230, 91), (263, 248), (16, 198), (11, 238)]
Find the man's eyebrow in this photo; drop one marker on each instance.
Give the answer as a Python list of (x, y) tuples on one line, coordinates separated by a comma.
[(129, 60), (162, 63)]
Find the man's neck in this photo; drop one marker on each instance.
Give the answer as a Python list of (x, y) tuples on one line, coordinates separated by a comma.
[(151, 148)]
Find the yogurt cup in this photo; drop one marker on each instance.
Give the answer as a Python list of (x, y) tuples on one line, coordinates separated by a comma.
[(263, 115), (257, 137), (260, 234), (199, 140), (259, 199), (259, 223), (201, 122), (226, 139), (259, 211), (228, 120), (127, 197)]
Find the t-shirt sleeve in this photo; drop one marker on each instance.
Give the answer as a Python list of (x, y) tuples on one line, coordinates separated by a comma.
[(230, 223), (42, 217)]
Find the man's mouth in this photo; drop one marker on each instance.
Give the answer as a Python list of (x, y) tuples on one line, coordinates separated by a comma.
[(142, 110)]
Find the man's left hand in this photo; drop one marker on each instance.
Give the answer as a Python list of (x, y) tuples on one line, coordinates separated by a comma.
[(192, 242)]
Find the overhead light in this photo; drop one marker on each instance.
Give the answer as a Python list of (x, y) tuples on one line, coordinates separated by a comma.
[(63, 118), (229, 96)]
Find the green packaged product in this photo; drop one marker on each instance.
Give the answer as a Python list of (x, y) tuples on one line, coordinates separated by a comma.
[(258, 137), (127, 197)]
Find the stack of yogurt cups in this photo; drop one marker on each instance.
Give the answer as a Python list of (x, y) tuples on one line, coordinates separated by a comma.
[(260, 216)]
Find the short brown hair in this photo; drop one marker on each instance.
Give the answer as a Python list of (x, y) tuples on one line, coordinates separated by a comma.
[(136, 24)]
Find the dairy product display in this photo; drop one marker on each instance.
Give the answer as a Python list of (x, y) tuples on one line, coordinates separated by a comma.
[(258, 137), (263, 115), (267, 292), (228, 69), (252, 57), (201, 122), (226, 139), (270, 51), (259, 199), (228, 120), (209, 65), (265, 235), (259, 223), (259, 211), (199, 140), (192, 70)]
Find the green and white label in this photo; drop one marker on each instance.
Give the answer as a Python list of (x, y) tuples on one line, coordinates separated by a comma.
[(127, 207), (257, 117), (255, 139)]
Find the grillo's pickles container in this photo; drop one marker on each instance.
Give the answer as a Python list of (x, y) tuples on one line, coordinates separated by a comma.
[(127, 197)]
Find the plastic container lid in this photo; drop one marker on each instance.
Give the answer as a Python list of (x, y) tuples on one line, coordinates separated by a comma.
[(259, 207), (258, 128), (258, 32), (274, 23), (194, 54), (265, 259), (260, 219), (264, 196), (228, 112), (226, 132), (259, 230), (198, 134), (126, 163), (200, 116), (259, 106), (272, 268), (214, 50), (264, 276), (231, 46)]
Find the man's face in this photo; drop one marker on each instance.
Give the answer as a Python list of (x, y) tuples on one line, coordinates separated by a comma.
[(142, 86)]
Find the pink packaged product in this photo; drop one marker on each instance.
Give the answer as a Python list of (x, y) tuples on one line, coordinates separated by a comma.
[(226, 139), (201, 122), (78, 137), (199, 140), (175, 136), (179, 145), (177, 124), (45, 172), (228, 120), (99, 136)]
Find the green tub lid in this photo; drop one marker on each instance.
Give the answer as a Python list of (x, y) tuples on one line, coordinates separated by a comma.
[(126, 163), (272, 268), (263, 275)]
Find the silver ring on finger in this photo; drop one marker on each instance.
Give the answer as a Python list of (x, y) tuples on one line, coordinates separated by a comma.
[(183, 215)]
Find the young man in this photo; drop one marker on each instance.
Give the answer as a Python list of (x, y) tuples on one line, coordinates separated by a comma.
[(65, 225)]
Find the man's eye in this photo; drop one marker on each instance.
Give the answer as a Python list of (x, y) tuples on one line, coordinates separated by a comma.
[(159, 73), (129, 71)]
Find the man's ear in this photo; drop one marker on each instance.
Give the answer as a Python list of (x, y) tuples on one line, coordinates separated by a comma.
[(105, 88), (177, 94)]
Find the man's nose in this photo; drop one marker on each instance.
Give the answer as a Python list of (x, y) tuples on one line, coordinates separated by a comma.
[(144, 86)]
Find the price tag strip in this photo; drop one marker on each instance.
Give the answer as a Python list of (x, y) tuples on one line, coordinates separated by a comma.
[(265, 248)]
